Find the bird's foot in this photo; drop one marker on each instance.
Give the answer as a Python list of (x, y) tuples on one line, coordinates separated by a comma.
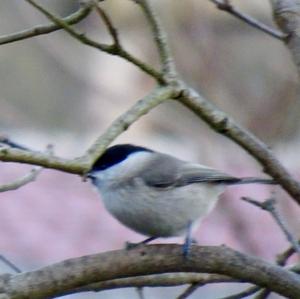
[(188, 242), (130, 245)]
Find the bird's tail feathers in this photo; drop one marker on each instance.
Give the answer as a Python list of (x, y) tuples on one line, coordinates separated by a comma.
[(252, 180)]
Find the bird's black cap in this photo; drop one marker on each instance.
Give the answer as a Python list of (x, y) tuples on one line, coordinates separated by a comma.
[(116, 154)]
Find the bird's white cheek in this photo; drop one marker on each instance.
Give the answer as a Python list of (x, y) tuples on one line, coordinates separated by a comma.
[(102, 178)]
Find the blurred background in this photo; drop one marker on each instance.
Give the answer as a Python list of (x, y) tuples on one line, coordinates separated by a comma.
[(54, 90)]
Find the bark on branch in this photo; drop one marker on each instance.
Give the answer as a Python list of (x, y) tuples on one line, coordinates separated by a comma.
[(72, 274), (287, 16)]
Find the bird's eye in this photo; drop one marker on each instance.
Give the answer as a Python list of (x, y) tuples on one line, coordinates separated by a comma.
[(103, 166)]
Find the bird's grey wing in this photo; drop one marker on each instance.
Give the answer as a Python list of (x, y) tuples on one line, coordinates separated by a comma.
[(166, 171), (193, 173), (162, 171)]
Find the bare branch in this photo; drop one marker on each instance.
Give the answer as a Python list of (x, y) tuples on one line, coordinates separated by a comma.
[(269, 205), (156, 280), (160, 37), (207, 279), (104, 270), (4, 140), (110, 49), (226, 126), (190, 290), (74, 273), (287, 16), (122, 123), (74, 18), (263, 294), (45, 160), (282, 258), (243, 294), (219, 121), (82, 164), (140, 292), (29, 177), (108, 22), (8, 263), (228, 7)]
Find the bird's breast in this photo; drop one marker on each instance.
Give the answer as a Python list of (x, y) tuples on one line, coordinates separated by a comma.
[(158, 212)]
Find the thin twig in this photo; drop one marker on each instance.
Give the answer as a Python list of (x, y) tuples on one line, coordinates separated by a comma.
[(74, 18), (228, 7), (110, 49), (10, 264), (122, 123), (160, 37), (60, 22), (190, 290), (263, 294), (270, 206), (243, 294), (29, 177), (4, 140), (140, 292), (108, 22), (282, 258)]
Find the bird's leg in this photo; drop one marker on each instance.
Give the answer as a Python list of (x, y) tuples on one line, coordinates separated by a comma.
[(130, 245), (188, 240)]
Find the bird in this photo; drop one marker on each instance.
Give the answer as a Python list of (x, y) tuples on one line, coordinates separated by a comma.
[(156, 194)]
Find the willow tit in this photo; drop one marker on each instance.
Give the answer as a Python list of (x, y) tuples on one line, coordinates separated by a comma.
[(156, 194)]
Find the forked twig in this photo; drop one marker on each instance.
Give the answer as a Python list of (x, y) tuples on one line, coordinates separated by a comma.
[(110, 49), (270, 206), (109, 24)]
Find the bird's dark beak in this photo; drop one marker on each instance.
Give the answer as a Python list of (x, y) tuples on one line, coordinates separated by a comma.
[(88, 176)]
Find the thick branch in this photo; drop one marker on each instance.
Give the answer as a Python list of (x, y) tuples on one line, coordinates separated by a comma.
[(287, 16), (74, 18), (54, 280)]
